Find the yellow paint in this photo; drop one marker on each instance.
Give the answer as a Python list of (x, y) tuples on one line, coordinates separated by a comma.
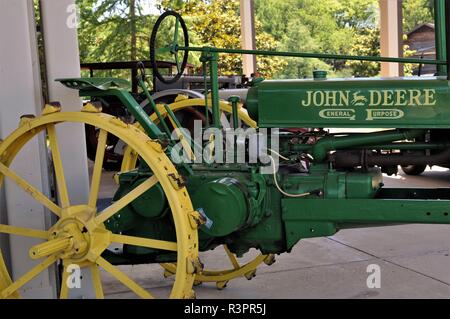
[(49, 109), (98, 167), (85, 248), (124, 279), (50, 247), (5, 279), (34, 192), (57, 164), (97, 281), (36, 270), (144, 242), (91, 108), (128, 198), (20, 231)]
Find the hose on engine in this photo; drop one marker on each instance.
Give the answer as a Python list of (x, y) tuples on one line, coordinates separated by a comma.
[(274, 167)]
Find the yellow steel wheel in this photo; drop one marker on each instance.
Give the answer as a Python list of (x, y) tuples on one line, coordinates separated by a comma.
[(220, 277), (79, 235)]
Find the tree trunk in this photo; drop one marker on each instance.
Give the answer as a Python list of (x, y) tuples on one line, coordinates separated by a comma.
[(133, 55)]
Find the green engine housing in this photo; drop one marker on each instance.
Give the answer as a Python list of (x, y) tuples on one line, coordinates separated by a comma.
[(245, 208)]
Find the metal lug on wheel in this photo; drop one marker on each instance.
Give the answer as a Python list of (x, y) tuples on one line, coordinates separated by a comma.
[(92, 107), (24, 119), (116, 178), (250, 275), (51, 108), (270, 260), (167, 274), (194, 266), (221, 284), (191, 295), (181, 97)]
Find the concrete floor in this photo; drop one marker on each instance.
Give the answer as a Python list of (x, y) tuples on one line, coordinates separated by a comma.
[(414, 262)]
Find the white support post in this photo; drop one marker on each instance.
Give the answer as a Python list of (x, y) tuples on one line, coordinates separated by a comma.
[(248, 36), (20, 93), (63, 61), (391, 36)]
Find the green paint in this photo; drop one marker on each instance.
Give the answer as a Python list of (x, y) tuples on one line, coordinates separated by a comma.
[(225, 203), (352, 103)]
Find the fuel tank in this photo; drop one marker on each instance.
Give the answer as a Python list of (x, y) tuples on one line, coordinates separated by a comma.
[(413, 102)]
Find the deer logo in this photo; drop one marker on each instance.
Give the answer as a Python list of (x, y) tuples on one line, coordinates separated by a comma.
[(358, 100)]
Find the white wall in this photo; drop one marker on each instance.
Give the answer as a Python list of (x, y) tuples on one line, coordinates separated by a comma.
[(20, 94)]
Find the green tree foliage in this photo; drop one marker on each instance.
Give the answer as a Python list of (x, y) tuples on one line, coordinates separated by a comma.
[(330, 26), (113, 30), (367, 43), (216, 23), (299, 39), (416, 12), (117, 30)]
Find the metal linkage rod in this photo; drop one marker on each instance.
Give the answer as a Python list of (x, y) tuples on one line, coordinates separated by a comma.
[(313, 55)]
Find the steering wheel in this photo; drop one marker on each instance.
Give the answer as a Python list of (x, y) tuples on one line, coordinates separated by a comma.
[(172, 47)]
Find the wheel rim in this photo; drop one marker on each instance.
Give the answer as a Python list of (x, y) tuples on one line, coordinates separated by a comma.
[(79, 236), (221, 277)]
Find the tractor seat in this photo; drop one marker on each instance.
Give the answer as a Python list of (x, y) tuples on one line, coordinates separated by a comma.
[(89, 84)]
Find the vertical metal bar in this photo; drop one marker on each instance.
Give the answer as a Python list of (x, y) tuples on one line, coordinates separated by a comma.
[(214, 78), (234, 100), (447, 35), (154, 107), (136, 110), (134, 85), (183, 132), (440, 34), (206, 94)]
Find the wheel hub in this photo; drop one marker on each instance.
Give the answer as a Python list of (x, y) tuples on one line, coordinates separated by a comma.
[(70, 237)]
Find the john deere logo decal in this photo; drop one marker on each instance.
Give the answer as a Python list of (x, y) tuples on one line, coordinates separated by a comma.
[(358, 99), (370, 98), (379, 104)]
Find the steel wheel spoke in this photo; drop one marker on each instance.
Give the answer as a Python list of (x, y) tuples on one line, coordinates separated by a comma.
[(20, 231), (97, 281), (16, 285), (27, 187), (98, 167), (144, 242), (124, 201), (232, 258), (224, 120), (57, 163), (175, 35), (176, 62), (64, 294), (123, 278)]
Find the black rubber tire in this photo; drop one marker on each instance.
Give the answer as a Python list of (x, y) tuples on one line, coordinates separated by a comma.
[(414, 169), (153, 44)]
